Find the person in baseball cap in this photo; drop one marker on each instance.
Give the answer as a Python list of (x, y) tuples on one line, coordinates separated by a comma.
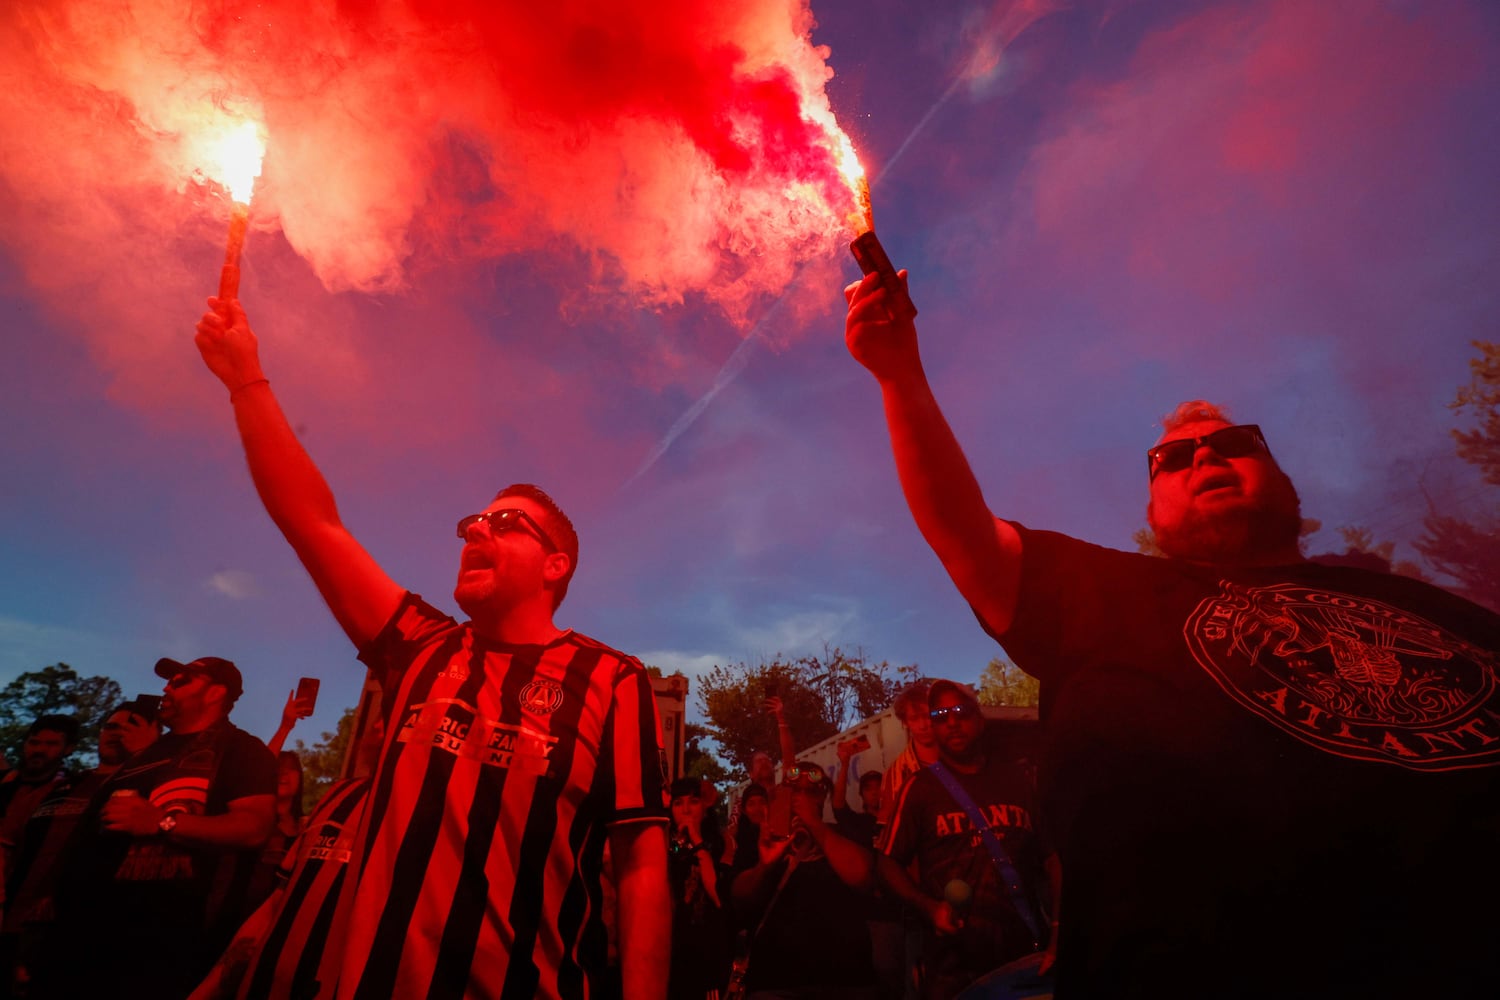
[(216, 669), (186, 817)]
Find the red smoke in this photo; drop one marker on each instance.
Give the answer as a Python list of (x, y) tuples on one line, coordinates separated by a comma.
[(680, 148)]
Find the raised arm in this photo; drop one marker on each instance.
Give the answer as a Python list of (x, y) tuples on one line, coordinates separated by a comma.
[(296, 708), (784, 735), (981, 553), (294, 493)]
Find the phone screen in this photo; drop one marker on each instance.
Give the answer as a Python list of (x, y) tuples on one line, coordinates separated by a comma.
[(307, 687)]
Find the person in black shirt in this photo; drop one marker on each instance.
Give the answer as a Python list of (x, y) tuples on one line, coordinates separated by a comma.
[(155, 879), (804, 903)]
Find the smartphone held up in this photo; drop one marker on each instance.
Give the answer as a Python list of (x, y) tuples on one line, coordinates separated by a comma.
[(307, 689)]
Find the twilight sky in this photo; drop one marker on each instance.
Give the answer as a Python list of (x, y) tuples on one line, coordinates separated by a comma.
[(605, 256)]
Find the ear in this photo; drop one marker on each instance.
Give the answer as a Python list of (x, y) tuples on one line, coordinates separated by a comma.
[(556, 567), (215, 694)]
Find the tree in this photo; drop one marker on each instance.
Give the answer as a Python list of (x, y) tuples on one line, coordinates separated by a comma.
[(1146, 545), (1361, 549), (697, 760), (1004, 683), (1465, 552), (1481, 447), (323, 762), (56, 690), (1469, 551), (820, 696)]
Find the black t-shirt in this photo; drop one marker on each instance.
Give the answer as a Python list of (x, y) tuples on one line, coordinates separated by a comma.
[(815, 934), (158, 879), (1280, 781), (700, 927), (930, 827)]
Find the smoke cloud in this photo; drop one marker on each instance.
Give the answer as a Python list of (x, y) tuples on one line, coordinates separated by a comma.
[(679, 149)]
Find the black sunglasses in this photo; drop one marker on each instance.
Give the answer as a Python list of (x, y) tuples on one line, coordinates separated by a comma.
[(1229, 442), (959, 712), (509, 519)]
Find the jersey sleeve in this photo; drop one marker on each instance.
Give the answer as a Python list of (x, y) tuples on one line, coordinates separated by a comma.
[(899, 841), (633, 761), (414, 625)]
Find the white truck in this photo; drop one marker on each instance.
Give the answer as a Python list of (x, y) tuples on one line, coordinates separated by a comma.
[(1009, 730)]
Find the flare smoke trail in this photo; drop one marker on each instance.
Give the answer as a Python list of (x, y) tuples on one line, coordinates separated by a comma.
[(681, 148), (986, 43)]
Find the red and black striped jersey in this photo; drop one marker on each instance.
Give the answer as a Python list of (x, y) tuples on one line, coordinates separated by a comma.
[(481, 846), (290, 960)]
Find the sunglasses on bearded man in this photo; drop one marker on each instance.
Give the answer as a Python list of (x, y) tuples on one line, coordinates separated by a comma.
[(1227, 442)]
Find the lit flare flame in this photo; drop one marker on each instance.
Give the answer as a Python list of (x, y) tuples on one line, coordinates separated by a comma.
[(233, 158), (854, 175)]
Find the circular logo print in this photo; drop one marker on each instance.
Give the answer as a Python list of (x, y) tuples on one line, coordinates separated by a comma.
[(1351, 675)]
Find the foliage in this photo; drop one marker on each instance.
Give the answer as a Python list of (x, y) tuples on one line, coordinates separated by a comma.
[(697, 760), (1360, 542), (1004, 683), (1145, 543), (1481, 447), (56, 690), (820, 696), (323, 762), (1145, 538), (1469, 551)]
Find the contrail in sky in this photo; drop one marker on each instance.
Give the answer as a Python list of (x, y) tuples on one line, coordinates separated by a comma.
[(1004, 24)]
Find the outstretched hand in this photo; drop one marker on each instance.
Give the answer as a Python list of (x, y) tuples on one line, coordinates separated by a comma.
[(886, 346), (296, 708), (227, 344)]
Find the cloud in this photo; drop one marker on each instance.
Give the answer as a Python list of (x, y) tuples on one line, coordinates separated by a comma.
[(235, 584), (800, 632), (675, 661)]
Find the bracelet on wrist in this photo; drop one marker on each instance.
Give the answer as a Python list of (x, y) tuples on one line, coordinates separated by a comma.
[(247, 385)]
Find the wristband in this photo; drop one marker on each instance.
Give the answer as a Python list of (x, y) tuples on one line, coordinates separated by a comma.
[(254, 381)]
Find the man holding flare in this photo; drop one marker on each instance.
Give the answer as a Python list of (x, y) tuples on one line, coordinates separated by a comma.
[(1264, 776), (514, 749)]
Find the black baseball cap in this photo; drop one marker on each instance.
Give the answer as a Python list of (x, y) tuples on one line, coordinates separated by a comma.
[(144, 705), (216, 669), (944, 686)]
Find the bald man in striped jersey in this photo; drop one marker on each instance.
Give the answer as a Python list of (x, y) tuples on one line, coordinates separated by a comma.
[(514, 749)]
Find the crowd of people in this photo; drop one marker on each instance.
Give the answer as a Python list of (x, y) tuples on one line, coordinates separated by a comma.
[(803, 895), (169, 842), (1259, 775)]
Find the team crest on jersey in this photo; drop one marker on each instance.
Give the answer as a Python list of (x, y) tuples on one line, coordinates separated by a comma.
[(1350, 675), (541, 697)]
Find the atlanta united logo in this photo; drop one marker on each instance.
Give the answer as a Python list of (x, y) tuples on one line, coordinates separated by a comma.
[(541, 697), (1350, 675)]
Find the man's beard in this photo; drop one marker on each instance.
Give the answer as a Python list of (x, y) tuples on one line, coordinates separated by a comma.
[(1236, 535)]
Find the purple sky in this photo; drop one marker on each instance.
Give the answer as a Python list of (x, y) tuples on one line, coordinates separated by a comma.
[(1287, 207)]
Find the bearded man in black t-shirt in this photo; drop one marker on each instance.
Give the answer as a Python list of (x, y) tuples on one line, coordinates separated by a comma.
[(154, 879), (978, 918), (1264, 776)]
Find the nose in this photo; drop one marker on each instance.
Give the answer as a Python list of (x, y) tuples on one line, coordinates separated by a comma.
[(478, 531), (1204, 454)]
